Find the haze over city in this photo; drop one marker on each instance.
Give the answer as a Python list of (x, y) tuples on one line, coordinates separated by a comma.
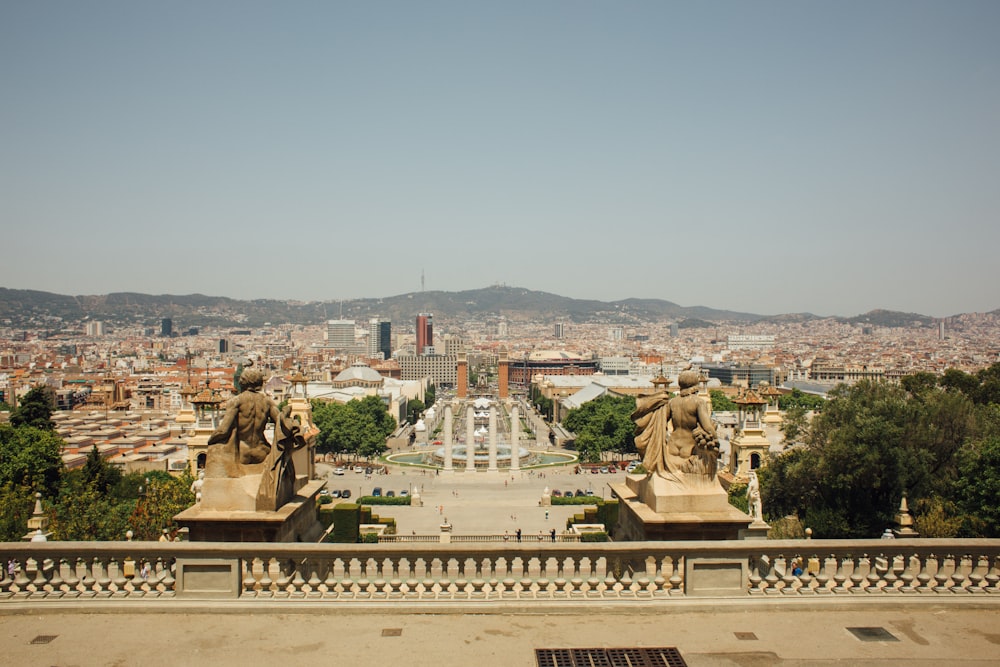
[(768, 157)]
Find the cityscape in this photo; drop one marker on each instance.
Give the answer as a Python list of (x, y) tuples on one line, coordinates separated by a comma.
[(550, 334)]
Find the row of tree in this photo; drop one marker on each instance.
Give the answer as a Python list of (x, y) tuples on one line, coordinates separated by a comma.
[(95, 502), (358, 428), (934, 439)]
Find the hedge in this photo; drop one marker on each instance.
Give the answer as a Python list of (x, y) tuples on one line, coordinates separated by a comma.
[(346, 519), (383, 500), (576, 500)]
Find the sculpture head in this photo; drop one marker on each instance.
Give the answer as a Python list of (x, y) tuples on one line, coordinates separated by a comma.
[(688, 379), (251, 379)]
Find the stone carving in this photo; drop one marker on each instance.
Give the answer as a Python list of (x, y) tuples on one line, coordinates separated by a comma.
[(239, 447), (753, 498), (689, 454)]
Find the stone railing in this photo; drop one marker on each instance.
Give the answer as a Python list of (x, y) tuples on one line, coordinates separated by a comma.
[(473, 572)]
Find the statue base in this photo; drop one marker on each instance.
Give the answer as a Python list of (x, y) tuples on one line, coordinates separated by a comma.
[(295, 521), (652, 507)]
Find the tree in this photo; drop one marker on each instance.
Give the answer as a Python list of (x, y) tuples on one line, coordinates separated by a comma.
[(795, 424), (603, 425), (35, 409), (101, 474), (800, 398), (414, 408), (978, 487), (721, 402), (358, 427), (31, 458), (163, 497), (16, 506), (430, 394)]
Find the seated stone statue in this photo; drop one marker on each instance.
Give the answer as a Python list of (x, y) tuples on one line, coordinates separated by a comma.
[(239, 446), (689, 454)]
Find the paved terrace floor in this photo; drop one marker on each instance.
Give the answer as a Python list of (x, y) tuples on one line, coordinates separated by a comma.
[(705, 636)]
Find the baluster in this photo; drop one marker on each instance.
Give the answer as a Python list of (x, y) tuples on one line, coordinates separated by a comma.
[(677, 577), (788, 580), (910, 567), (771, 578), (892, 580), (840, 576), (857, 578), (249, 580), (21, 580), (627, 584), (822, 575), (266, 583), (102, 582), (57, 585), (297, 587), (992, 577), (806, 578), (314, 587), (39, 582), (941, 576), (959, 577), (875, 573), (976, 573), (118, 579), (755, 579), (923, 574)]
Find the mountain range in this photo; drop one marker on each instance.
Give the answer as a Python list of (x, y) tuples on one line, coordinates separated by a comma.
[(36, 308)]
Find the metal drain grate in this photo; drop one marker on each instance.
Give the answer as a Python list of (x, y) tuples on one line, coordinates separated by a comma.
[(392, 632), (873, 634), (43, 639), (609, 657), (747, 636)]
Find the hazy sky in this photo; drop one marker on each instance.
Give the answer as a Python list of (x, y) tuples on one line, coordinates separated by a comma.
[(767, 157)]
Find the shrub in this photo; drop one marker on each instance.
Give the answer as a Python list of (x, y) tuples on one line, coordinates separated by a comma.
[(594, 536), (577, 500), (346, 518), (370, 538), (382, 500)]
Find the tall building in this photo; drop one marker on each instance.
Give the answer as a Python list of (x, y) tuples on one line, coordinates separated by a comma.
[(385, 338), (340, 334), (560, 330), (425, 331), (379, 338), (95, 328), (166, 327)]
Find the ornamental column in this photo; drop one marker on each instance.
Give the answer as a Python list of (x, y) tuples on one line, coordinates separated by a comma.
[(448, 467), (493, 440), (515, 439), (470, 440)]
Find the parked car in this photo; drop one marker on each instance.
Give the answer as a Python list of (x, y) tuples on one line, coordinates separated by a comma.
[(580, 493), (404, 492), (390, 494), (377, 492), (335, 493), (568, 493), (604, 470), (368, 471), (358, 469), (594, 471), (346, 493), (556, 493), (338, 471)]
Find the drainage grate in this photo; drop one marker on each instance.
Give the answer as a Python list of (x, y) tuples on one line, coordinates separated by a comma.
[(392, 632), (746, 636), (873, 634), (43, 639), (609, 657)]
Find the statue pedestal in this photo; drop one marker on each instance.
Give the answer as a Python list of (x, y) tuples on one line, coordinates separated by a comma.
[(295, 521), (654, 508)]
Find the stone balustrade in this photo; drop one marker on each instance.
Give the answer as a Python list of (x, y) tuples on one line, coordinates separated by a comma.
[(480, 572)]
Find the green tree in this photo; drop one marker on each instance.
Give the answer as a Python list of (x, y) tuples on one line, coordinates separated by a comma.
[(414, 408), (35, 409), (795, 424), (16, 506), (31, 458), (800, 398), (603, 425), (977, 487), (101, 474), (430, 394), (162, 498), (721, 402)]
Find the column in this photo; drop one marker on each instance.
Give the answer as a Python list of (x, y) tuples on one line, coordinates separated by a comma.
[(493, 440), (470, 440), (515, 439), (448, 467)]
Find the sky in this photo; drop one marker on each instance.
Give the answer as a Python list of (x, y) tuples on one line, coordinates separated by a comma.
[(767, 157)]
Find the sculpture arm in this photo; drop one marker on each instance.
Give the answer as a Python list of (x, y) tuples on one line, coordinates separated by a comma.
[(225, 429)]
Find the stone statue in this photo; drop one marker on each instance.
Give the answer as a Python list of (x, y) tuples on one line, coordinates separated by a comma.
[(753, 498), (197, 484), (690, 453), (239, 446)]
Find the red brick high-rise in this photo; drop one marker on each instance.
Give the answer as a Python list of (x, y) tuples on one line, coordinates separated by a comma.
[(425, 331), (503, 371)]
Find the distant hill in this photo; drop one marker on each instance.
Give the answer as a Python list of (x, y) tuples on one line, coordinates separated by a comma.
[(32, 308), (891, 318)]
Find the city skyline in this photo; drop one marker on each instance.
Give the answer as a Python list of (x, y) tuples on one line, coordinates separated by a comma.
[(768, 158)]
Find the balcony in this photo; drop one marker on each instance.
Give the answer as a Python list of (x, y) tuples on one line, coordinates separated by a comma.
[(488, 573)]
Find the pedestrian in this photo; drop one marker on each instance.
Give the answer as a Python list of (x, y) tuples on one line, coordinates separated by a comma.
[(506, 536), (546, 515), (517, 533), (553, 534)]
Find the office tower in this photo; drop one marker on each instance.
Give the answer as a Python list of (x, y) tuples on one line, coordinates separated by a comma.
[(425, 331), (385, 338), (340, 334), (166, 327), (223, 346), (560, 330)]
